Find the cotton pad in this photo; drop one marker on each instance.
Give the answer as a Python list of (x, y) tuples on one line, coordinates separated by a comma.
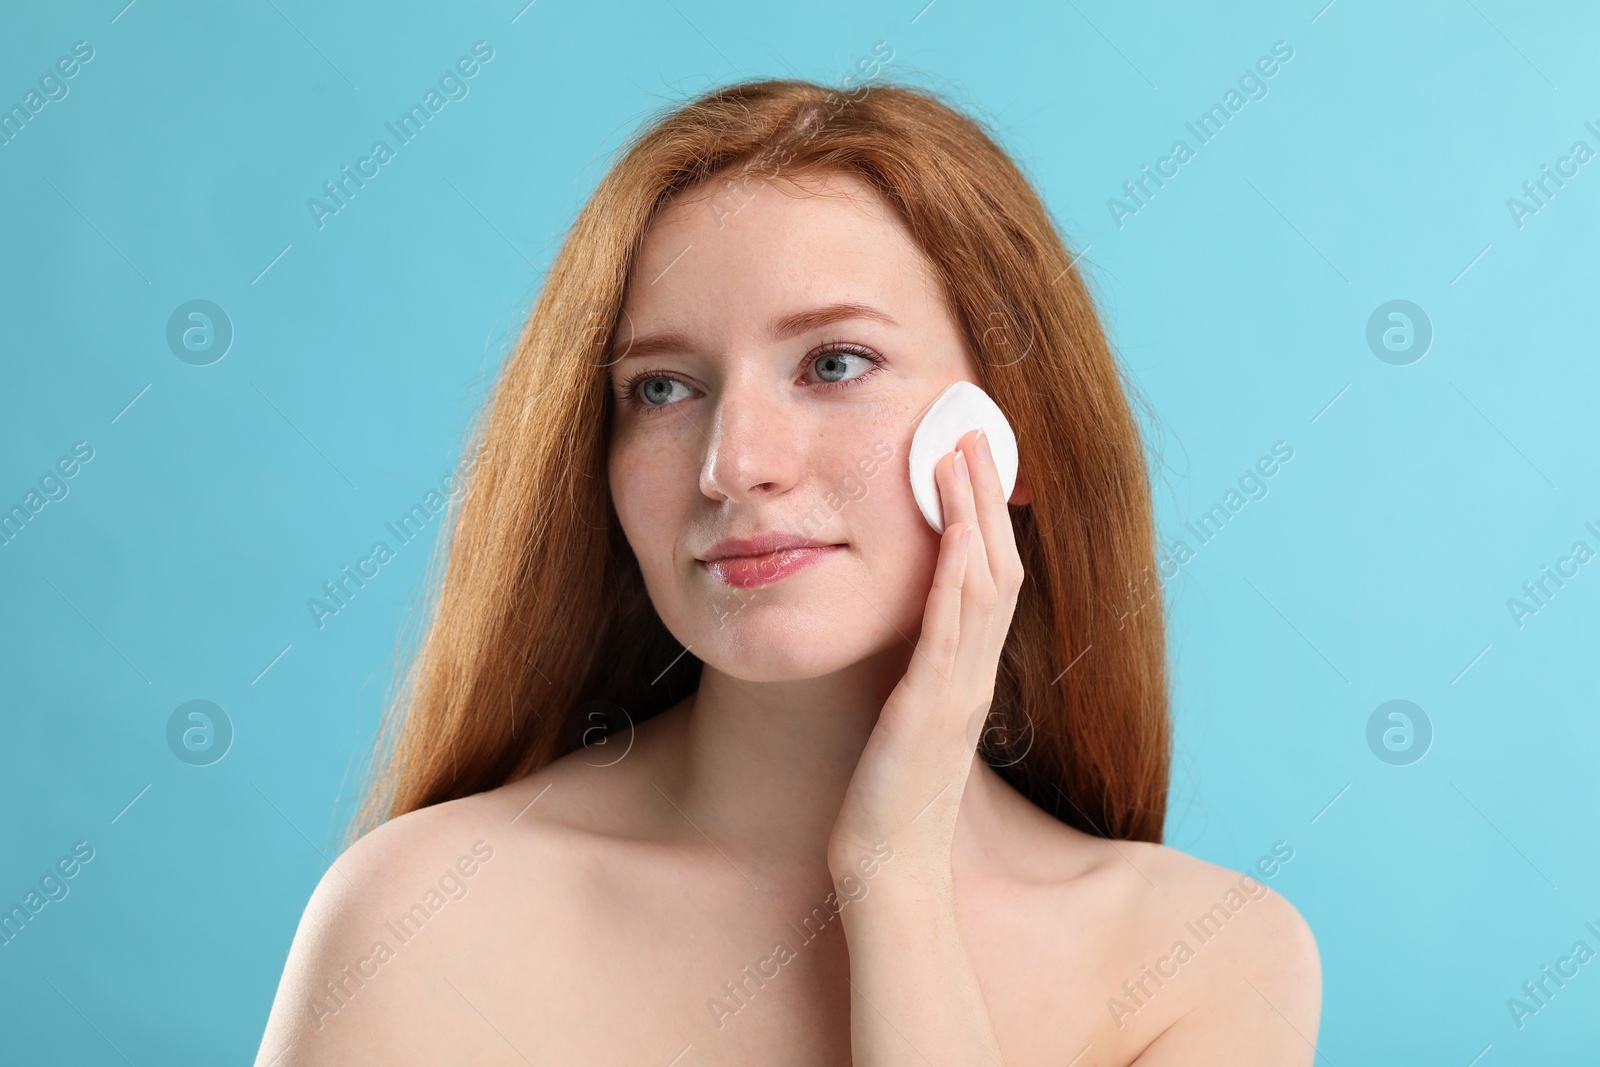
[(959, 410)]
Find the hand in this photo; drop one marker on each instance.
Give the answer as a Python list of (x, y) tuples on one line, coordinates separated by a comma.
[(908, 783)]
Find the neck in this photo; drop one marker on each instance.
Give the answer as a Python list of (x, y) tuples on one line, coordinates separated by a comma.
[(762, 767)]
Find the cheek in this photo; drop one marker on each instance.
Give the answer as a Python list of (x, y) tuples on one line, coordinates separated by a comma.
[(898, 546), (647, 493), (883, 470), (899, 553)]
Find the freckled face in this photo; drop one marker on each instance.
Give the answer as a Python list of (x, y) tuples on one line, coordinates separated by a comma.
[(732, 429)]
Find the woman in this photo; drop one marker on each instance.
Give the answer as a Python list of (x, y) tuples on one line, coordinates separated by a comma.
[(865, 793)]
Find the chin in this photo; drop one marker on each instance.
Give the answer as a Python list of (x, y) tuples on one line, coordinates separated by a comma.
[(770, 642), (777, 636), (770, 664)]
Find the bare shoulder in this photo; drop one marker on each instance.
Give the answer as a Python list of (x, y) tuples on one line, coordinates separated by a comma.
[(1242, 958), (1277, 938), (368, 975), (341, 997), (401, 948)]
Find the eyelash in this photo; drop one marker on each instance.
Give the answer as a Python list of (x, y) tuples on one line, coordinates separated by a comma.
[(627, 391)]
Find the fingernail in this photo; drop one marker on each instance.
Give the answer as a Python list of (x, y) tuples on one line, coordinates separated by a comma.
[(961, 467), (966, 536), (983, 446)]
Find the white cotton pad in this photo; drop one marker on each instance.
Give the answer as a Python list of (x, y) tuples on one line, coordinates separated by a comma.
[(959, 409)]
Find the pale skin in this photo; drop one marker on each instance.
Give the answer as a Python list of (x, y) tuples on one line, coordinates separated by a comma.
[(636, 884)]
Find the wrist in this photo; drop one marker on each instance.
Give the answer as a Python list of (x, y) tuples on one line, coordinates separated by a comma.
[(927, 851), (858, 861), (891, 872), (897, 904)]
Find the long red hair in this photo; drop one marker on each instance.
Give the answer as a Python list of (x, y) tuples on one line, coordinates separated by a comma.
[(537, 610)]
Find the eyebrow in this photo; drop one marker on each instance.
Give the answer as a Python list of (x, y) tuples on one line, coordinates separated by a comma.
[(779, 329)]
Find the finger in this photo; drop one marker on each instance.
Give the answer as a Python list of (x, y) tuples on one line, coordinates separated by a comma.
[(956, 494), (933, 661), (1002, 573), (993, 516), (978, 595)]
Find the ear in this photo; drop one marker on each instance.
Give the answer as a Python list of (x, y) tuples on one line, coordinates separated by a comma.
[(1021, 493)]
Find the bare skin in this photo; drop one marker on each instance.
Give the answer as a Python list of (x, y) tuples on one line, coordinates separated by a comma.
[(673, 896)]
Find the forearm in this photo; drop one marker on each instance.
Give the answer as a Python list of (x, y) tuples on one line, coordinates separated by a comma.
[(915, 998)]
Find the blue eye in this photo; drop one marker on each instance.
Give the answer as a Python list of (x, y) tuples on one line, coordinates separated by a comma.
[(834, 361), (650, 390), (657, 389)]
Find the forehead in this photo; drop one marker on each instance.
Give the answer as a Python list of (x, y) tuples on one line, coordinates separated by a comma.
[(725, 257)]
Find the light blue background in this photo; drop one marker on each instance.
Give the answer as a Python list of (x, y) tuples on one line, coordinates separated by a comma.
[(1378, 167)]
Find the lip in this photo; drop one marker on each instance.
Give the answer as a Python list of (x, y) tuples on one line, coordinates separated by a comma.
[(760, 545), (749, 562)]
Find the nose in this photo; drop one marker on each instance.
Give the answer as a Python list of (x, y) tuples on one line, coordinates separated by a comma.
[(753, 450)]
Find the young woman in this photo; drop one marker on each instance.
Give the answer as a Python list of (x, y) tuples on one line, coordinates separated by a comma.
[(714, 751)]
